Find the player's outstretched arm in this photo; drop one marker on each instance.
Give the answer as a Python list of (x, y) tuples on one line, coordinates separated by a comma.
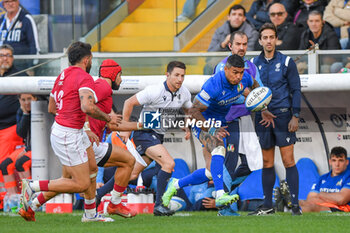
[(126, 126), (88, 106)]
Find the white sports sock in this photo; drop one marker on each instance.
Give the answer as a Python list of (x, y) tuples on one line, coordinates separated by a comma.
[(35, 204), (90, 213), (219, 193), (34, 185), (116, 197)]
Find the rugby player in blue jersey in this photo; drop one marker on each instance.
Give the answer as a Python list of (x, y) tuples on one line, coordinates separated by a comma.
[(332, 191), (213, 103)]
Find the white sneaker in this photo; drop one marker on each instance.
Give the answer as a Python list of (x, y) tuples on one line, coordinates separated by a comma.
[(182, 18), (26, 194), (98, 218)]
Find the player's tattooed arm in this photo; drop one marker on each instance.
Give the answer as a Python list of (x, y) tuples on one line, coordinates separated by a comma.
[(210, 142), (88, 106), (255, 84), (195, 112), (52, 106)]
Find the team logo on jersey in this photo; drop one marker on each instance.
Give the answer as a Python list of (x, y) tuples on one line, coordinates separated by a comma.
[(230, 148), (260, 67), (339, 183), (313, 187), (204, 95), (179, 96), (323, 181), (151, 120), (164, 98), (278, 66), (288, 139), (223, 92), (240, 87)]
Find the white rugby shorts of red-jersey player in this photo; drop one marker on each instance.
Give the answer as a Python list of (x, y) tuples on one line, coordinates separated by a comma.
[(68, 139), (69, 144)]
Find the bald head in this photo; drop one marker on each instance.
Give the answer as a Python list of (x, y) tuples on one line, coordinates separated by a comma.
[(278, 14)]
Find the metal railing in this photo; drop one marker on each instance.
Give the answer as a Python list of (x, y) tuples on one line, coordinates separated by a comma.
[(312, 62)]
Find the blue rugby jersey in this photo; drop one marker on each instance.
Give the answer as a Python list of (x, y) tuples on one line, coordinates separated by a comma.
[(219, 95), (239, 109), (329, 184)]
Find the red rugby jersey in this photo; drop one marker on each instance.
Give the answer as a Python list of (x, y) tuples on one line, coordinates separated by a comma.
[(66, 95)]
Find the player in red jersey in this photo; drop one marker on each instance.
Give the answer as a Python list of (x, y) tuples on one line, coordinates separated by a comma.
[(71, 99), (106, 154)]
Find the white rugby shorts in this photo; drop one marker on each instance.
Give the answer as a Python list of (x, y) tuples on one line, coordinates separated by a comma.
[(69, 144), (100, 151)]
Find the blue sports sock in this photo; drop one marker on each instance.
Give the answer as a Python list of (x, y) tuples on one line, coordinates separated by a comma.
[(268, 180), (292, 177), (197, 177), (216, 168), (162, 181)]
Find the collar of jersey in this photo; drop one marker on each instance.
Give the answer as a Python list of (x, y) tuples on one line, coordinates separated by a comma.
[(167, 89), (225, 81), (262, 56)]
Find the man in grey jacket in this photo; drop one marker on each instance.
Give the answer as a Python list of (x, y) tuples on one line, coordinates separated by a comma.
[(236, 22)]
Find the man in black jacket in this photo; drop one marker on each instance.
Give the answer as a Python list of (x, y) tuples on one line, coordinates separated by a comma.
[(9, 105), (287, 32), (318, 32)]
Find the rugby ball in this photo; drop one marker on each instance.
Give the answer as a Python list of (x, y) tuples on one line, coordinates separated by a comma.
[(177, 204), (258, 98)]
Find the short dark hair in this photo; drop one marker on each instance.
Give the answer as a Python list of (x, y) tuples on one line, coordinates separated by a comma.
[(77, 51), (266, 26), (235, 61), (315, 12), (174, 64), (236, 7), (233, 34), (338, 152), (7, 46)]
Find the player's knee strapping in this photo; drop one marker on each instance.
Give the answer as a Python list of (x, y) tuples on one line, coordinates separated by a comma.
[(219, 150), (23, 164), (93, 175), (7, 167), (208, 174)]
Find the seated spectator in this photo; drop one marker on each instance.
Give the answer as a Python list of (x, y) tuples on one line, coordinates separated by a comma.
[(9, 105), (19, 30), (306, 6), (189, 10), (337, 13), (287, 32), (332, 190), (259, 12), (236, 21), (318, 32), (292, 6), (20, 159)]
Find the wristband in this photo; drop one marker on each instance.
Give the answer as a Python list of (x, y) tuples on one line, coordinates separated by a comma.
[(264, 108), (139, 125), (212, 131)]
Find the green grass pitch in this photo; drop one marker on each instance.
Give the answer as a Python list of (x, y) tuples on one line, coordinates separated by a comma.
[(182, 222)]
